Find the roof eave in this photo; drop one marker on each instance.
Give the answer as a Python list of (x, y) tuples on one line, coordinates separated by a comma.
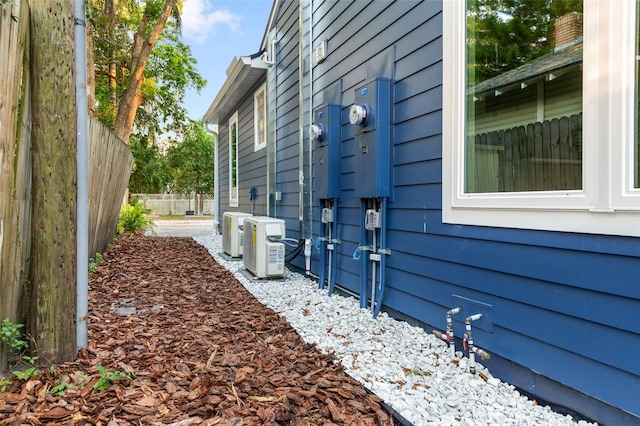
[(242, 73)]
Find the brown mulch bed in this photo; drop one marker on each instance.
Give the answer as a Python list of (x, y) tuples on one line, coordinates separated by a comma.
[(201, 351)]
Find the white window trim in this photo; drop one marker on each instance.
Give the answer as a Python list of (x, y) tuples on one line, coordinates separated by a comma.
[(233, 201), (607, 204), (257, 145)]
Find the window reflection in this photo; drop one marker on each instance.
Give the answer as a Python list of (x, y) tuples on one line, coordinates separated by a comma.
[(524, 96)]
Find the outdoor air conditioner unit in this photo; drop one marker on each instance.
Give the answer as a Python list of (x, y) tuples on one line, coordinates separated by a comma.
[(262, 256), (232, 234)]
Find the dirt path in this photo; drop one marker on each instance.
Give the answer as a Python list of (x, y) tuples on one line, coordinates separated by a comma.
[(201, 351)]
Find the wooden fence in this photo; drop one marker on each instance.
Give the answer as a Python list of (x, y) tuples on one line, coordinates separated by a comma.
[(542, 156), (15, 162), (177, 204), (110, 165)]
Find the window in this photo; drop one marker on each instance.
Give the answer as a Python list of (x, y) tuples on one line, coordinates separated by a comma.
[(540, 115), (260, 118), (233, 161)]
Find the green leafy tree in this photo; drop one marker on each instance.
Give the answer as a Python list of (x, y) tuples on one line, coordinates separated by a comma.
[(142, 69), (151, 173), (504, 34), (171, 71), (191, 161)]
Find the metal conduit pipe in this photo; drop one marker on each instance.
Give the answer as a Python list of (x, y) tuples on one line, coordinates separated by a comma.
[(384, 252), (363, 256), (323, 250), (328, 245), (374, 258), (333, 241), (468, 342)]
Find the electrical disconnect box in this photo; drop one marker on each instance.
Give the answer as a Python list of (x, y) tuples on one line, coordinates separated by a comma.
[(372, 220), (327, 215), (232, 233), (371, 115), (263, 254), (325, 135)]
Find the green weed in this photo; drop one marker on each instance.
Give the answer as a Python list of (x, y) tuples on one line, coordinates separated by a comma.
[(11, 335), (110, 377)]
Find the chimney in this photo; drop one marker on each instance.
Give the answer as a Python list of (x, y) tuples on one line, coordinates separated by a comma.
[(568, 30)]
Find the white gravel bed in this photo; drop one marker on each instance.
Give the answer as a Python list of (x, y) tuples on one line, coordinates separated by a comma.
[(408, 368)]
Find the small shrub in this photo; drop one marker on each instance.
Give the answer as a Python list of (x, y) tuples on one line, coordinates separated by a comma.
[(30, 372), (94, 262), (11, 335), (133, 219), (107, 378)]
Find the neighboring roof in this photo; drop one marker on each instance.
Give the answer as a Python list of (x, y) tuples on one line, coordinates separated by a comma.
[(242, 74), (538, 68)]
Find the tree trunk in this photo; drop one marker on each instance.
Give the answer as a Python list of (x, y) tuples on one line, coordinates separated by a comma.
[(53, 248), (132, 98)]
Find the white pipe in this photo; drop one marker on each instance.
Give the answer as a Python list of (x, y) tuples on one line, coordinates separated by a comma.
[(329, 244), (373, 272), (216, 182), (269, 56), (472, 349), (450, 336), (82, 153), (307, 255)]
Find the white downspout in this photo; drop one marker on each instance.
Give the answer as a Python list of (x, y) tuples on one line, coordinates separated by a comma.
[(216, 181), (82, 159)]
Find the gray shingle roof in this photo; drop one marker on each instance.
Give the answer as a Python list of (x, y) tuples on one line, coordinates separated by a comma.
[(537, 68)]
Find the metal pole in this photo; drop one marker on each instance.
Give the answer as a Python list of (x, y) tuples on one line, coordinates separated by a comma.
[(82, 152)]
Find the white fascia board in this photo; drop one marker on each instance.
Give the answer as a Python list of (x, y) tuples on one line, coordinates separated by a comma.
[(237, 72)]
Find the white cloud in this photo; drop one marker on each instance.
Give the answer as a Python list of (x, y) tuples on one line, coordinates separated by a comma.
[(200, 19)]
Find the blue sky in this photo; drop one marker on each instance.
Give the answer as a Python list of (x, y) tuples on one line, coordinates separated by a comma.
[(217, 31)]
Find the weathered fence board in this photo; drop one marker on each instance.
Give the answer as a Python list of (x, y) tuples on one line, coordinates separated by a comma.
[(15, 162), (543, 156), (110, 163)]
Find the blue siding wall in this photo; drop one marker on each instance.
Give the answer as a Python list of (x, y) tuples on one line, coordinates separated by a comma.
[(559, 304), (251, 163)]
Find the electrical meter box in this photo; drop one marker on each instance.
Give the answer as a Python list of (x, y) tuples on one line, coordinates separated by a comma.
[(371, 116), (325, 136)]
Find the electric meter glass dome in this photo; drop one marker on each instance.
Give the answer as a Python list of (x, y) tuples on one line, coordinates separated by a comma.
[(316, 132), (358, 114)]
